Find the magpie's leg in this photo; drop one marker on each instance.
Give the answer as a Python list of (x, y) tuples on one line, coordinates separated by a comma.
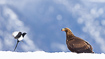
[(16, 45)]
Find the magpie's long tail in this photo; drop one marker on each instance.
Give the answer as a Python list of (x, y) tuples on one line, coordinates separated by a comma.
[(16, 45)]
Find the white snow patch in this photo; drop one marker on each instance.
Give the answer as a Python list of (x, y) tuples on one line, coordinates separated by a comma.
[(46, 55)]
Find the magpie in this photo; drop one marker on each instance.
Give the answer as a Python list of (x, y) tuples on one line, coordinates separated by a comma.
[(19, 36)]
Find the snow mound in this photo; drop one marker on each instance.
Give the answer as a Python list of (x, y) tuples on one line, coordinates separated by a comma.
[(47, 55)]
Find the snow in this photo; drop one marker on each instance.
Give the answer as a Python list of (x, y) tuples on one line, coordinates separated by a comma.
[(47, 55)]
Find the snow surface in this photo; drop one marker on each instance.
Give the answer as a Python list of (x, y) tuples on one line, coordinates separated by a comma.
[(47, 55)]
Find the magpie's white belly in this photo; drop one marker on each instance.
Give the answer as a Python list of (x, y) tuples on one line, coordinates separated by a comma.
[(21, 38)]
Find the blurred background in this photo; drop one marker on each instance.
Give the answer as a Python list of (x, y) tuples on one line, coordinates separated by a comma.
[(43, 20)]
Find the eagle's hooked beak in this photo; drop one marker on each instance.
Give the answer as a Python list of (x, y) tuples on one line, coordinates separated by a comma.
[(63, 29)]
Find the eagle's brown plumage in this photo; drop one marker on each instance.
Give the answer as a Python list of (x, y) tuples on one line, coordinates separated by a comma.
[(76, 44)]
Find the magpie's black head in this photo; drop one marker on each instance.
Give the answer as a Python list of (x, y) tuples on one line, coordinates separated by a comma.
[(24, 34)]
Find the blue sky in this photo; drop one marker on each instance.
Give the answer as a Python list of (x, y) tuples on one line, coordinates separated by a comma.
[(44, 19)]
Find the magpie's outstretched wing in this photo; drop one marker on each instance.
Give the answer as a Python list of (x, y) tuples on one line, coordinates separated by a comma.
[(18, 35)]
